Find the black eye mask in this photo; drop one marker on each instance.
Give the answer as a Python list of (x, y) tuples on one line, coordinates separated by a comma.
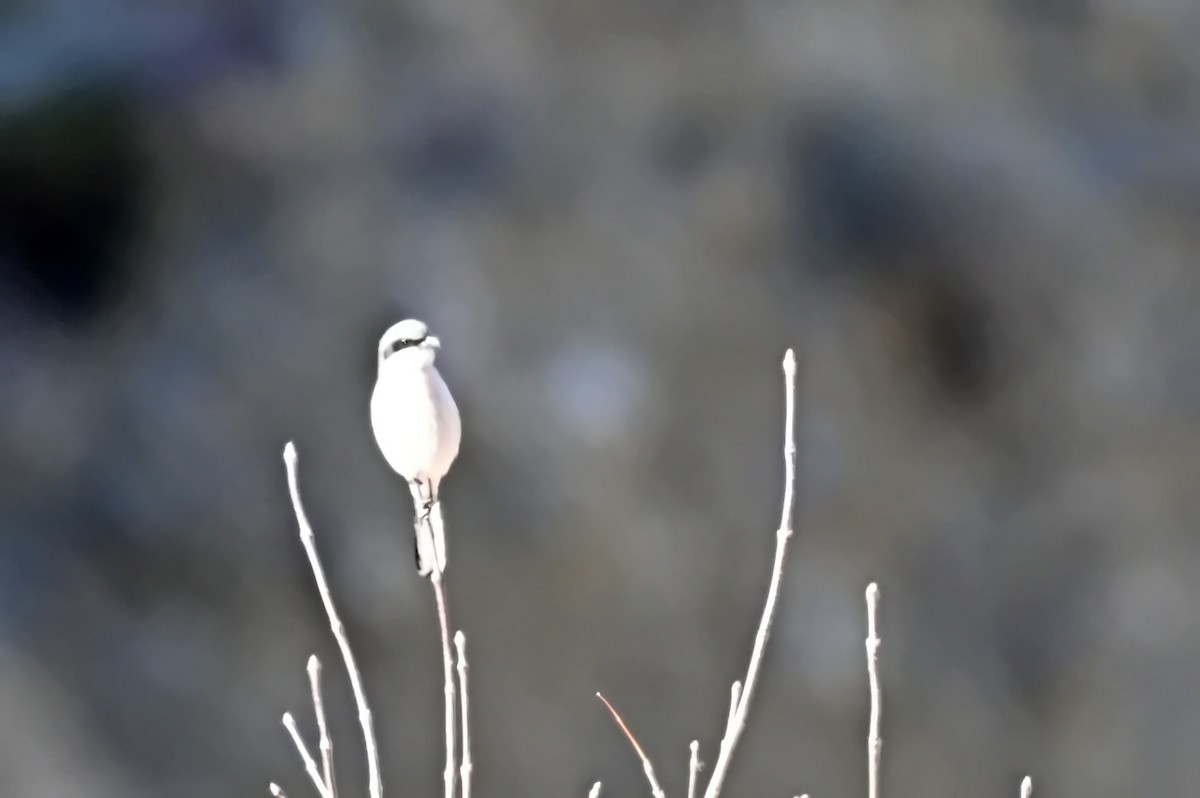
[(402, 343)]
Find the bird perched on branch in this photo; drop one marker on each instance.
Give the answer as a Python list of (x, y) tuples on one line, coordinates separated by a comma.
[(417, 427)]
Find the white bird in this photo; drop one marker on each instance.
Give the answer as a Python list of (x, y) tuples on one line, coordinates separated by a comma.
[(417, 427)]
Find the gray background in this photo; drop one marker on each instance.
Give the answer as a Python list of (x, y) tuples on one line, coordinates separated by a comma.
[(977, 222)]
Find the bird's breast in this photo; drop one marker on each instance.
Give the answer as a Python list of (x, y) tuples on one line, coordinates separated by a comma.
[(415, 422)]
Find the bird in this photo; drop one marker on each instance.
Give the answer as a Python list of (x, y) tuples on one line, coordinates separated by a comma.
[(418, 429)]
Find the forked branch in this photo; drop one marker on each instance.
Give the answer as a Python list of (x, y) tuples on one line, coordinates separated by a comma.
[(323, 777), (742, 693)]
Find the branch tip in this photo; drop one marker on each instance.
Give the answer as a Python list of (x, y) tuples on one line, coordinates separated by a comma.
[(693, 768), (873, 740)]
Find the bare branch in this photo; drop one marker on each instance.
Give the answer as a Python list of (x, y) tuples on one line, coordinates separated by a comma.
[(308, 539), (460, 643), (439, 593), (325, 744), (735, 699), (310, 764), (737, 720), (655, 789), (693, 767), (874, 744), (1026, 787)]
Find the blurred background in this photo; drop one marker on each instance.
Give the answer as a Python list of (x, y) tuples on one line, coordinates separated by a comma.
[(977, 222)]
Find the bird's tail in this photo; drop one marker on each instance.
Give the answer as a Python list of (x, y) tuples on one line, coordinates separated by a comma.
[(430, 532)]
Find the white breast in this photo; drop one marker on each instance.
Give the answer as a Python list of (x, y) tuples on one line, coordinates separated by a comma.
[(415, 421)]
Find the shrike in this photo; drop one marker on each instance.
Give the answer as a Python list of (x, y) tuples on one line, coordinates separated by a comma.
[(417, 427)]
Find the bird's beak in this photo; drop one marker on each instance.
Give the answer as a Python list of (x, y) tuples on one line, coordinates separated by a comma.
[(432, 342)]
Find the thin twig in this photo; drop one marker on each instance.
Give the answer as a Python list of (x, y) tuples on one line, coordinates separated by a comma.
[(737, 722), (693, 767), (308, 538), (655, 789), (1026, 787), (310, 764), (465, 768), (439, 593), (325, 744), (621, 723), (595, 791), (874, 744), (276, 790)]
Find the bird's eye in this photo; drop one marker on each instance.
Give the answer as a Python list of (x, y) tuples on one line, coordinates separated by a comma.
[(401, 343)]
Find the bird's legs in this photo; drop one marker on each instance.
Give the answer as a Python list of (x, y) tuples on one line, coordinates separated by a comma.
[(422, 499)]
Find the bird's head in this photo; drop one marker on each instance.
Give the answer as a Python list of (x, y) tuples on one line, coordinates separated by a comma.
[(408, 342)]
